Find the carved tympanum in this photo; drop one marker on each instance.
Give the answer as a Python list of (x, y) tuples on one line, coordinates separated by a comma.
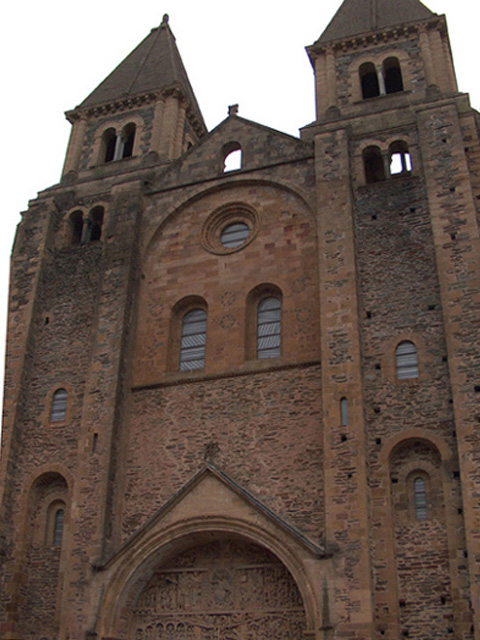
[(224, 590)]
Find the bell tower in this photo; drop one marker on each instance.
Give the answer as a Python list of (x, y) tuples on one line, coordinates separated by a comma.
[(145, 109), (396, 162)]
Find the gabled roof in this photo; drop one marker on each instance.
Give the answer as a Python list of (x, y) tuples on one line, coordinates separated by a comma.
[(356, 17), (154, 64)]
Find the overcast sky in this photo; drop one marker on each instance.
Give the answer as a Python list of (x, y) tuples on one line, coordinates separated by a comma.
[(251, 52)]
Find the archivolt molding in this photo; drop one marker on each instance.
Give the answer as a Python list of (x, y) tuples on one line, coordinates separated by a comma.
[(201, 192), (136, 565)]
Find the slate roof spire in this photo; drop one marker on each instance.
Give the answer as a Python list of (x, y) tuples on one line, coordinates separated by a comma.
[(154, 64), (355, 17)]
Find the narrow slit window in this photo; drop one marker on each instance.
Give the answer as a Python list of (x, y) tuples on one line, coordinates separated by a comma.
[(369, 80), (420, 498), (58, 523), (407, 361), (59, 406), (193, 340), (344, 412), (269, 326)]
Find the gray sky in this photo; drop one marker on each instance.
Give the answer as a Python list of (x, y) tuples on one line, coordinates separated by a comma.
[(252, 52)]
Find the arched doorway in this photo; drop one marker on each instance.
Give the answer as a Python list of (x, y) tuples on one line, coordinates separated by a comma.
[(223, 589)]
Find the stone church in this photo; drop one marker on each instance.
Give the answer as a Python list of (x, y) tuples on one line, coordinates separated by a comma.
[(242, 393)]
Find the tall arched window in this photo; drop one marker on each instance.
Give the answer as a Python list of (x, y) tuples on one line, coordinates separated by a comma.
[(269, 328), (392, 75), (400, 158), (95, 220), (58, 523), (420, 498), (59, 406), (369, 80), (109, 144), (373, 164), (406, 360), (76, 224), (128, 139), (193, 340)]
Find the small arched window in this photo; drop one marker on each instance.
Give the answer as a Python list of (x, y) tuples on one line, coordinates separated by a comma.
[(232, 157), (406, 360), (95, 221), (193, 340), (58, 523), (400, 158), (369, 80), (269, 328), (58, 409), (373, 165), (109, 144), (392, 75), (344, 412), (420, 498), (76, 223), (128, 139)]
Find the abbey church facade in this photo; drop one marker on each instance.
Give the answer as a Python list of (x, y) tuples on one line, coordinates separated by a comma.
[(242, 402)]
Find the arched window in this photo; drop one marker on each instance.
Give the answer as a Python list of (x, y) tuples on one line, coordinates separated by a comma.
[(193, 340), (373, 164), (95, 221), (400, 158), (59, 406), (343, 412), (269, 328), (407, 361), (128, 139), (232, 157), (369, 80), (109, 144), (76, 223), (392, 75), (420, 498), (58, 523)]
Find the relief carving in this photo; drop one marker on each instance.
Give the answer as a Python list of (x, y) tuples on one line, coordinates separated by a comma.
[(225, 590)]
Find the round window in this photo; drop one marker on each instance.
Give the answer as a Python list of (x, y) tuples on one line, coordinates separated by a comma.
[(230, 228), (234, 235)]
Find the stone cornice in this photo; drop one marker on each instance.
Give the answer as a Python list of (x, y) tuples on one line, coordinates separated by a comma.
[(382, 36), (128, 103)]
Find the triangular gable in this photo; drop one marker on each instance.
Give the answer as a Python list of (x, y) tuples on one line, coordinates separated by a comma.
[(212, 494), (261, 146)]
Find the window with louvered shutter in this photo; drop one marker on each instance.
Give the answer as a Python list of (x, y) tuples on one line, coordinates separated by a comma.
[(407, 361), (59, 406), (420, 498), (58, 527), (234, 235), (193, 340), (269, 326)]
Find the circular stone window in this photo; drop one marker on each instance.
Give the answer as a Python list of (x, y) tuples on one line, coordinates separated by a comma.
[(229, 229)]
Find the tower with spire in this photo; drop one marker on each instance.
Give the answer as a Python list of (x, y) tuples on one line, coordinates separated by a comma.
[(241, 400)]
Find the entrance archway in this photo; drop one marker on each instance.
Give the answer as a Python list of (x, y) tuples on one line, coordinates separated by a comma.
[(223, 589)]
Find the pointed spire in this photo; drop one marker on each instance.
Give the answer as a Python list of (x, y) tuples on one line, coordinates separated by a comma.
[(355, 17), (154, 64)]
